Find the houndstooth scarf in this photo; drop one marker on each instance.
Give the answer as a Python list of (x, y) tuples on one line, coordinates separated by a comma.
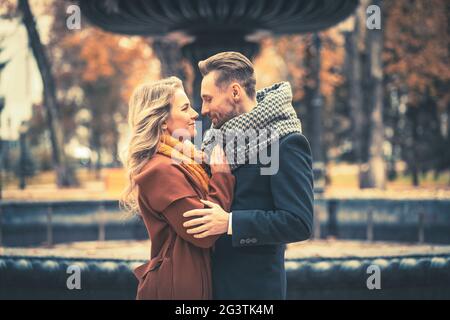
[(247, 134)]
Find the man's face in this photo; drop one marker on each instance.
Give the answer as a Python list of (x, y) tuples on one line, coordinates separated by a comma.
[(217, 104)]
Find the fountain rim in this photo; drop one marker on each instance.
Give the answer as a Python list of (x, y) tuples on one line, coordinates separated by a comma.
[(130, 21)]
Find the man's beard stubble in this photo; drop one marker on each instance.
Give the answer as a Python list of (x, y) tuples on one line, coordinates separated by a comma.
[(234, 112)]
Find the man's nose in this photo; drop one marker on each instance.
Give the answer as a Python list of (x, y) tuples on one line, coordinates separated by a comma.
[(205, 110)]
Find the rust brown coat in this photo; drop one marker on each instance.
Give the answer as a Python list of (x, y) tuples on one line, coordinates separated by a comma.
[(180, 266)]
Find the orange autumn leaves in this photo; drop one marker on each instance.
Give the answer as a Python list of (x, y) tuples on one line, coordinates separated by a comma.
[(416, 47), (105, 55), (292, 51)]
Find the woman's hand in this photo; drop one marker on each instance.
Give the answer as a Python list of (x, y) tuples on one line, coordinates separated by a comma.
[(218, 161)]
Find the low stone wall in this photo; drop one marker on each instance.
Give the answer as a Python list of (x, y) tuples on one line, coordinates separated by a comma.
[(49, 222), (37, 223), (405, 277), (401, 220)]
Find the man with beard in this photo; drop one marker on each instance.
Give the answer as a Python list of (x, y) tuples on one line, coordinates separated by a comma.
[(273, 205)]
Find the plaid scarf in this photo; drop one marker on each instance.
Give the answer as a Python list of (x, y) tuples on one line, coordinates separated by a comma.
[(187, 156), (247, 134)]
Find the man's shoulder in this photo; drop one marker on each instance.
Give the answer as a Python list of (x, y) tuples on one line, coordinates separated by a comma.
[(297, 139)]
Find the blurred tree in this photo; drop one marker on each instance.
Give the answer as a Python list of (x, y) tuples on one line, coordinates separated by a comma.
[(417, 67), (25, 167), (8, 9), (376, 162), (37, 138), (355, 61), (98, 71), (393, 87), (2, 144), (299, 53), (334, 118), (65, 176), (364, 49), (92, 70), (172, 61)]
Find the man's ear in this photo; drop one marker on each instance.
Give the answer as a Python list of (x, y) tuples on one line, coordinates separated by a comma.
[(236, 91)]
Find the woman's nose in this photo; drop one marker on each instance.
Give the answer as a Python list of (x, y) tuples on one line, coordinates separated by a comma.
[(194, 114)]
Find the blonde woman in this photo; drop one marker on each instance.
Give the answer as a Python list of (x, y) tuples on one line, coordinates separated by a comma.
[(165, 180)]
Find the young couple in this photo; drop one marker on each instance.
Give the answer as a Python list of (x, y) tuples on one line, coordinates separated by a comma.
[(218, 228)]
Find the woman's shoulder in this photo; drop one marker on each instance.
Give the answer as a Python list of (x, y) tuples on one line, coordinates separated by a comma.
[(163, 181), (159, 167)]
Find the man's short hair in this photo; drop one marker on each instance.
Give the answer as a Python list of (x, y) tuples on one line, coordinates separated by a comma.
[(231, 66)]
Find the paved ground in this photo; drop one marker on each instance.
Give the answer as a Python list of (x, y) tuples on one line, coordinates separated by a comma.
[(307, 249), (93, 191)]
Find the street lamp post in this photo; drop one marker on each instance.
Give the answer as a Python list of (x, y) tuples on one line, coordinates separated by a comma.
[(317, 106), (22, 164)]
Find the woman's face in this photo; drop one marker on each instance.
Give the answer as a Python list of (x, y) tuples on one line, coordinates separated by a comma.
[(181, 121)]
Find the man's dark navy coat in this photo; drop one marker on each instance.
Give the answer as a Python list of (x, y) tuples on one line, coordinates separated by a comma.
[(268, 211)]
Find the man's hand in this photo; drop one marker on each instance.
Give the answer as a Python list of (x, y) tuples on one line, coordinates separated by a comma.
[(213, 220)]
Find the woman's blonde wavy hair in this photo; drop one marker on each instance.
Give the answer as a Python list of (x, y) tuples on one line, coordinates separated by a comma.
[(149, 108)]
